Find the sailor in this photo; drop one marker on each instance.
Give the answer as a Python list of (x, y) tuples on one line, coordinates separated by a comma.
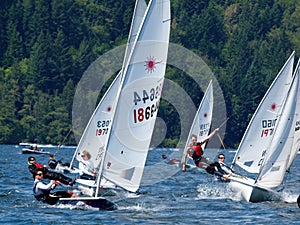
[(52, 162), (215, 169), (58, 165), (195, 151), (168, 160), (220, 168), (223, 167), (42, 192), (86, 166), (48, 174)]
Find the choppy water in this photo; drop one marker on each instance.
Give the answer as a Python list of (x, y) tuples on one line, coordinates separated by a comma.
[(185, 198)]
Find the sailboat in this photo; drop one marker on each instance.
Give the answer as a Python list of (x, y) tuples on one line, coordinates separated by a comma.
[(202, 121), (103, 114), (272, 138), (119, 132)]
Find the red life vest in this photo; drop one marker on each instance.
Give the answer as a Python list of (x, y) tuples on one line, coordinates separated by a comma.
[(38, 165), (198, 150)]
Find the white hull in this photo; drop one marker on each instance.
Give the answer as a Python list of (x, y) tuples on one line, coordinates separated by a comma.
[(246, 189), (88, 187)]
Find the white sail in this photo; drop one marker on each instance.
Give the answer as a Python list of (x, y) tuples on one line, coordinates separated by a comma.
[(296, 124), (138, 15), (260, 130), (138, 99), (117, 131), (202, 120), (278, 154), (96, 132)]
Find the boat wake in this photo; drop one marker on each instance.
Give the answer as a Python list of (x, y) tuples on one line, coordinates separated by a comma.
[(143, 207), (218, 191), (289, 197), (77, 206)]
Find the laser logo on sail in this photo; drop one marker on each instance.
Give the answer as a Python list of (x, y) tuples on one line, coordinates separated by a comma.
[(150, 64)]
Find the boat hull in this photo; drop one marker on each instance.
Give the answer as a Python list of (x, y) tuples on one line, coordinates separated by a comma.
[(30, 151), (249, 191), (98, 202), (88, 187)]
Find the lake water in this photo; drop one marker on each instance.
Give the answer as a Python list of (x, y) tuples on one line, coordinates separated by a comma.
[(166, 197)]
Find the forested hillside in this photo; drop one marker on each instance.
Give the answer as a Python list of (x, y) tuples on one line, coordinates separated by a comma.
[(46, 45)]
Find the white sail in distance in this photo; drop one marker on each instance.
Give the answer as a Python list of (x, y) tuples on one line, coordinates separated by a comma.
[(202, 120)]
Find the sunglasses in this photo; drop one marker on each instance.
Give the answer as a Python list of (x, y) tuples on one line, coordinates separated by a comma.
[(40, 174), (221, 157)]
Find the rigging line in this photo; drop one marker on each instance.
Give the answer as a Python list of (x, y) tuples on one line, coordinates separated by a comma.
[(220, 139), (58, 147), (222, 143), (224, 122)]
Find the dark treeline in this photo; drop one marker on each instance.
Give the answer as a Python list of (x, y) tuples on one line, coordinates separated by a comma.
[(46, 45)]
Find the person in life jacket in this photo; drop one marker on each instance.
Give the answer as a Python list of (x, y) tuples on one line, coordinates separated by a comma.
[(86, 166), (195, 151), (168, 160), (43, 192), (52, 162), (223, 167), (215, 169), (33, 166)]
